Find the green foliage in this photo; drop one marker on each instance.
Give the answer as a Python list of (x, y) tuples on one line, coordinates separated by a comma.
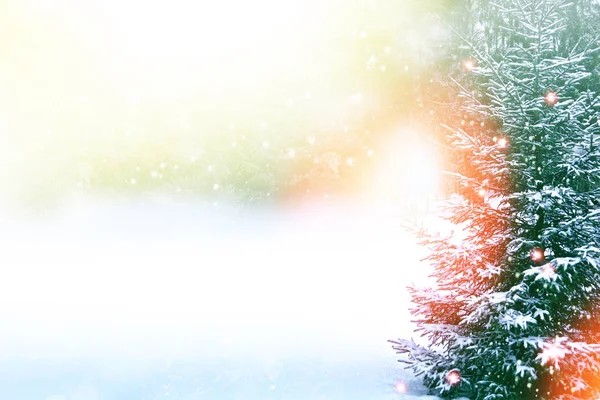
[(513, 325)]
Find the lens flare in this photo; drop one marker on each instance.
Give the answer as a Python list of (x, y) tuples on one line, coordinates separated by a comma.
[(401, 387), (551, 98), (537, 255), (548, 270), (469, 64), (407, 170), (453, 377)]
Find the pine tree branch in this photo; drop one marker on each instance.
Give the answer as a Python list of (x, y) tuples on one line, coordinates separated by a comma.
[(471, 180)]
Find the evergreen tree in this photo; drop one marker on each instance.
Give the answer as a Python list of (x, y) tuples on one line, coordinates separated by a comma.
[(513, 312)]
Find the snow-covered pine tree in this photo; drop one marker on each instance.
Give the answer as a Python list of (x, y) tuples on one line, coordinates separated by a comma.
[(517, 299)]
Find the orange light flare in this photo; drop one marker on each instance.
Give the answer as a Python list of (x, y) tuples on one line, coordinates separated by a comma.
[(453, 377), (537, 255), (589, 321), (469, 64), (481, 192), (550, 98)]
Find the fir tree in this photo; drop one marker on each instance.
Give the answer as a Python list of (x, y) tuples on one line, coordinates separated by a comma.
[(513, 313)]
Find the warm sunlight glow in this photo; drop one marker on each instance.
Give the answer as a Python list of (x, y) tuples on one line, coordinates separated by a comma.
[(177, 44), (408, 170), (229, 42), (106, 95)]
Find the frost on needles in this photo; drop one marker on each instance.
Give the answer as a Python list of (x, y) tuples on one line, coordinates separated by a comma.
[(515, 310)]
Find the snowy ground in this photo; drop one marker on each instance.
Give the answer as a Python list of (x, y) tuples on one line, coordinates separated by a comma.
[(151, 301)]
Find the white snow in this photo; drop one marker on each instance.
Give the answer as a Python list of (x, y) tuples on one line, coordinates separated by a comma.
[(107, 298)]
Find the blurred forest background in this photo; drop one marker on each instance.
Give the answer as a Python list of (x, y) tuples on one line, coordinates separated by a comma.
[(254, 103)]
